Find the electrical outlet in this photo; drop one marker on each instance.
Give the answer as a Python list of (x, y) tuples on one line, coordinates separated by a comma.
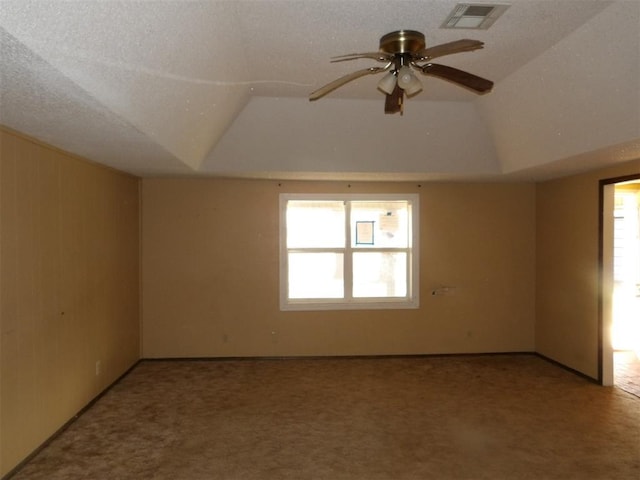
[(98, 368)]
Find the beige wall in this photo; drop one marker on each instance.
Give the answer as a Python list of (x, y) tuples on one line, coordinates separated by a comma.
[(68, 288), (567, 219), (210, 273)]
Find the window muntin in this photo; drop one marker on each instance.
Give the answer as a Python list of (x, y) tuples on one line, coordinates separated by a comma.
[(348, 251)]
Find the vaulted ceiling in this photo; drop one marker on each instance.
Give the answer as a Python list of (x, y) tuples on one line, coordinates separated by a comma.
[(221, 88)]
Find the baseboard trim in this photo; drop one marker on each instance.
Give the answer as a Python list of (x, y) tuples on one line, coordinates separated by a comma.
[(567, 368), (371, 357), (331, 357), (67, 424)]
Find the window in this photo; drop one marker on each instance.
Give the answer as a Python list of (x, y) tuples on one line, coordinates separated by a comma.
[(348, 251)]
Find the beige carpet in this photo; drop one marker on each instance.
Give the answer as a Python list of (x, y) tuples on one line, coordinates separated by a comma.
[(476, 417)]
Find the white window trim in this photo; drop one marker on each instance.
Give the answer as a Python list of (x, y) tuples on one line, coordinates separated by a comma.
[(412, 300)]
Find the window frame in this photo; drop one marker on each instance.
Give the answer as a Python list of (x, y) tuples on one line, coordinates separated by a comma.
[(348, 302)]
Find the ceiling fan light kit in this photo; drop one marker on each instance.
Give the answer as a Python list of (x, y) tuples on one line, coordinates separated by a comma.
[(388, 83), (408, 82), (404, 52)]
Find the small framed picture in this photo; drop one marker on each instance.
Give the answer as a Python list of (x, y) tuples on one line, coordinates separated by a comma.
[(364, 233)]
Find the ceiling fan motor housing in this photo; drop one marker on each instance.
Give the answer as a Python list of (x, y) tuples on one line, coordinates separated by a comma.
[(402, 41)]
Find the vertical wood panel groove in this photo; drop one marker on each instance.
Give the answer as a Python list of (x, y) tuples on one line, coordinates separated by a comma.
[(69, 295)]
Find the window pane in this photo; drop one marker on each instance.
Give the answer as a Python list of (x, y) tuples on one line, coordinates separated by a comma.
[(380, 224), (315, 224), (379, 274), (316, 275)]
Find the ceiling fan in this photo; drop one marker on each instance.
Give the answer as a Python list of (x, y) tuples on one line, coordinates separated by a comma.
[(404, 51)]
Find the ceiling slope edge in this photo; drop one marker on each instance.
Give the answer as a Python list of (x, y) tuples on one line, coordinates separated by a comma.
[(613, 155), (346, 137), (182, 111), (555, 108), (39, 101), (183, 136)]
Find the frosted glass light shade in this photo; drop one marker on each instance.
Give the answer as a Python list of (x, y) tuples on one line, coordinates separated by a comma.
[(408, 81), (387, 83)]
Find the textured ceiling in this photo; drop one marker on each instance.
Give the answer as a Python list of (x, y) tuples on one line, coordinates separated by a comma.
[(220, 88)]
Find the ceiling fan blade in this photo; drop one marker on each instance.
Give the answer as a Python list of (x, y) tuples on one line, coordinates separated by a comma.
[(329, 87), (393, 101), (458, 46), (379, 56), (460, 77)]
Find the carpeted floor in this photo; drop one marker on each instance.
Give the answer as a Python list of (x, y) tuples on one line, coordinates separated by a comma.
[(475, 417)]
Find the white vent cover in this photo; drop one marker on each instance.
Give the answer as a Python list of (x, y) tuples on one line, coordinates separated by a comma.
[(474, 15)]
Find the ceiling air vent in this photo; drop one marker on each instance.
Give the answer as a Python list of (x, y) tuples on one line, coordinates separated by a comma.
[(474, 15)]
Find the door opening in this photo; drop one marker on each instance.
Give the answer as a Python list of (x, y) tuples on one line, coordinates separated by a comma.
[(620, 284)]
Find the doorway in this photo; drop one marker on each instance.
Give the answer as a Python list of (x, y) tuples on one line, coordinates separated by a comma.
[(620, 284)]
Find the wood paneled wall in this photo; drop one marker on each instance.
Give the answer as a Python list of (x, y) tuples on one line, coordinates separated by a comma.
[(69, 288)]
